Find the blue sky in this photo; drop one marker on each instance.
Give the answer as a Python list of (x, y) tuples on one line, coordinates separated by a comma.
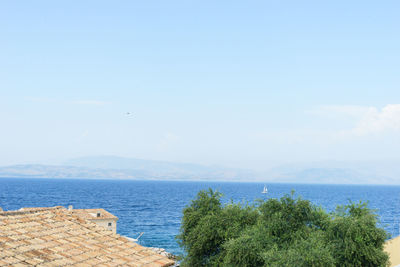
[(236, 83)]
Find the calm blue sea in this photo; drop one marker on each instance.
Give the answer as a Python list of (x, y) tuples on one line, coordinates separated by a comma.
[(155, 207)]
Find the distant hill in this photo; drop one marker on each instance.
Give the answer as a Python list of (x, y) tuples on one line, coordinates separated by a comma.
[(51, 171), (109, 167), (338, 172), (161, 169), (121, 163), (125, 168)]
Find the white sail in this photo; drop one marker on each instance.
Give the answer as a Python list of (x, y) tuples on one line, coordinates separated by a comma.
[(265, 190)]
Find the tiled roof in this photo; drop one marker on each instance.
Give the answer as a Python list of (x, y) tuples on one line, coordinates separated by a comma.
[(56, 237), (91, 214)]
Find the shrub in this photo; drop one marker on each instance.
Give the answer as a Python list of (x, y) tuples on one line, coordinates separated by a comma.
[(279, 232)]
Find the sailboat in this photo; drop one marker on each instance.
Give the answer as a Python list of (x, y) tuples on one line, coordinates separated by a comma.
[(265, 190)]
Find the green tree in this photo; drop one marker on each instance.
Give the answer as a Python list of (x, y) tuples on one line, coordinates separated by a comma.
[(284, 232), (356, 239)]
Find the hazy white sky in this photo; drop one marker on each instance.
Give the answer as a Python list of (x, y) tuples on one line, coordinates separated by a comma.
[(234, 83)]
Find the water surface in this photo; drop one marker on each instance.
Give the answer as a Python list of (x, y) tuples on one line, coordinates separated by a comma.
[(155, 207)]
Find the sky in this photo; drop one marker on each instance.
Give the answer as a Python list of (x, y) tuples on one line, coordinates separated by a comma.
[(244, 84)]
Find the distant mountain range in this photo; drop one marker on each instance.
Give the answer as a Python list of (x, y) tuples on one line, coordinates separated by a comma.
[(110, 167), (339, 172)]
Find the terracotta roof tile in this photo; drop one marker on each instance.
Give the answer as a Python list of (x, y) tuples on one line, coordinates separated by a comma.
[(58, 237), (93, 214)]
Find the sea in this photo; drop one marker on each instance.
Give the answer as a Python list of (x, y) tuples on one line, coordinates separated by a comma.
[(155, 207)]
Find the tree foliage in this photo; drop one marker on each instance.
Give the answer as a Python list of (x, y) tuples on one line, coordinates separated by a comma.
[(279, 232)]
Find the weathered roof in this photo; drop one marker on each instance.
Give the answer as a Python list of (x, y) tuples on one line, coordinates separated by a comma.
[(92, 214), (56, 237)]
